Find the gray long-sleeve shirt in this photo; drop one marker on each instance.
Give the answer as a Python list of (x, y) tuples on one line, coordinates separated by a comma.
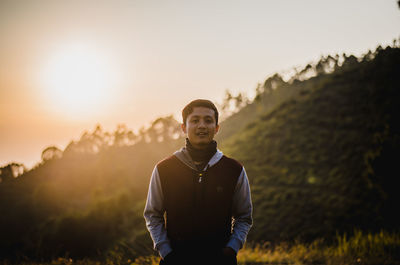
[(241, 207)]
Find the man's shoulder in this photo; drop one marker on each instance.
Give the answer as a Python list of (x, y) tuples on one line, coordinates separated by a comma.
[(226, 160), (166, 161)]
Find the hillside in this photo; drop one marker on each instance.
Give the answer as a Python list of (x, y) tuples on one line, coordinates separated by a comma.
[(321, 154), (326, 160)]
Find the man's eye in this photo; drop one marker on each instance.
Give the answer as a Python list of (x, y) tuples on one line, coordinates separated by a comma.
[(195, 121), (209, 121)]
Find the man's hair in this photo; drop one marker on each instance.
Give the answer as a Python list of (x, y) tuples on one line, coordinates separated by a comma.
[(188, 109)]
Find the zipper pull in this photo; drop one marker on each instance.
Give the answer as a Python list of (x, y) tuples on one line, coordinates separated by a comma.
[(200, 177)]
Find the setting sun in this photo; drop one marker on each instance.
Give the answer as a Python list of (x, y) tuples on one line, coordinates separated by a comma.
[(78, 79)]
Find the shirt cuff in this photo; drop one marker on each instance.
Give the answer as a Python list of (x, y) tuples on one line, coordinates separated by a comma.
[(164, 249), (234, 244)]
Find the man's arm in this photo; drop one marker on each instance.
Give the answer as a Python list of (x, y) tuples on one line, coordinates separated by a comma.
[(242, 209), (154, 215)]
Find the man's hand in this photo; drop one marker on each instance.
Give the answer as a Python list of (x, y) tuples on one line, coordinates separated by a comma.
[(170, 258), (228, 252), (229, 256)]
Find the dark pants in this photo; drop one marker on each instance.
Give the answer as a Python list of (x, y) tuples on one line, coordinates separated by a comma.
[(208, 257)]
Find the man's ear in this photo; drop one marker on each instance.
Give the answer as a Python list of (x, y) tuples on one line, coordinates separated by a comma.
[(216, 128), (183, 126)]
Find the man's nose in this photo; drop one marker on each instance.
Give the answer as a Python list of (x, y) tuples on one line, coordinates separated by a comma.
[(202, 124)]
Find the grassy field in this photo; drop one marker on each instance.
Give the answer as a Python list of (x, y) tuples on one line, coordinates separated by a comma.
[(360, 248), (381, 248)]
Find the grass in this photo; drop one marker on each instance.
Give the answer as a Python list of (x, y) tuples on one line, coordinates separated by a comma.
[(381, 248), (360, 248)]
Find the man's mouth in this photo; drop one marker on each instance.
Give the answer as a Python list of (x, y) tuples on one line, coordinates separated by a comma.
[(202, 133)]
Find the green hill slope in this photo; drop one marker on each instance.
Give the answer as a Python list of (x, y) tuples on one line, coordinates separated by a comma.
[(327, 159)]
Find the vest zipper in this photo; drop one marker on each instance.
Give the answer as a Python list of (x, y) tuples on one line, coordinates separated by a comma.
[(202, 180), (201, 174), (200, 188)]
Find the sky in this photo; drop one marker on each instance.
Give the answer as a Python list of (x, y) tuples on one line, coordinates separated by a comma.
[(68, 65)]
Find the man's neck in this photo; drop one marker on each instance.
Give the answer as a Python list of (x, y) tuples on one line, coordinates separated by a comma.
[(201, 155)]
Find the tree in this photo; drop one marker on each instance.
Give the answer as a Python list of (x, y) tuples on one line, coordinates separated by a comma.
[(163, 129), (259, 91), (232, 104), (306, 73), (273, 82), (349, 61), (50, 153), (11, 171), (123, 136)]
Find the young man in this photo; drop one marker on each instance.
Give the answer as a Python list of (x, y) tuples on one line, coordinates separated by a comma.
[(203, 195)]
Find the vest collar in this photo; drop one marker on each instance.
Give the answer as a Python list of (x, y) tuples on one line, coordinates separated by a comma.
[(183, 155)]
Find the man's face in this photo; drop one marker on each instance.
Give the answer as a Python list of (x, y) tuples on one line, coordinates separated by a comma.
[(200, 127)]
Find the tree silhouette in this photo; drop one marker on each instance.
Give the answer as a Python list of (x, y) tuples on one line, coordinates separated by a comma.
[(50, 153), (163, 129), (123, 136), (232, 104), (273, 83), (11, 171)]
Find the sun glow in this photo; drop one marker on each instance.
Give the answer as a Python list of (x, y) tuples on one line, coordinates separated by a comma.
[(79, 80)]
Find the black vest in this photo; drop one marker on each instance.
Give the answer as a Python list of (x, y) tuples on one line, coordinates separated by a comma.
[(198, 204)]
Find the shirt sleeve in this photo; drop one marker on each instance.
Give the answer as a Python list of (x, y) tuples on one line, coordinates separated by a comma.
[(154, 215), (242, 209)]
